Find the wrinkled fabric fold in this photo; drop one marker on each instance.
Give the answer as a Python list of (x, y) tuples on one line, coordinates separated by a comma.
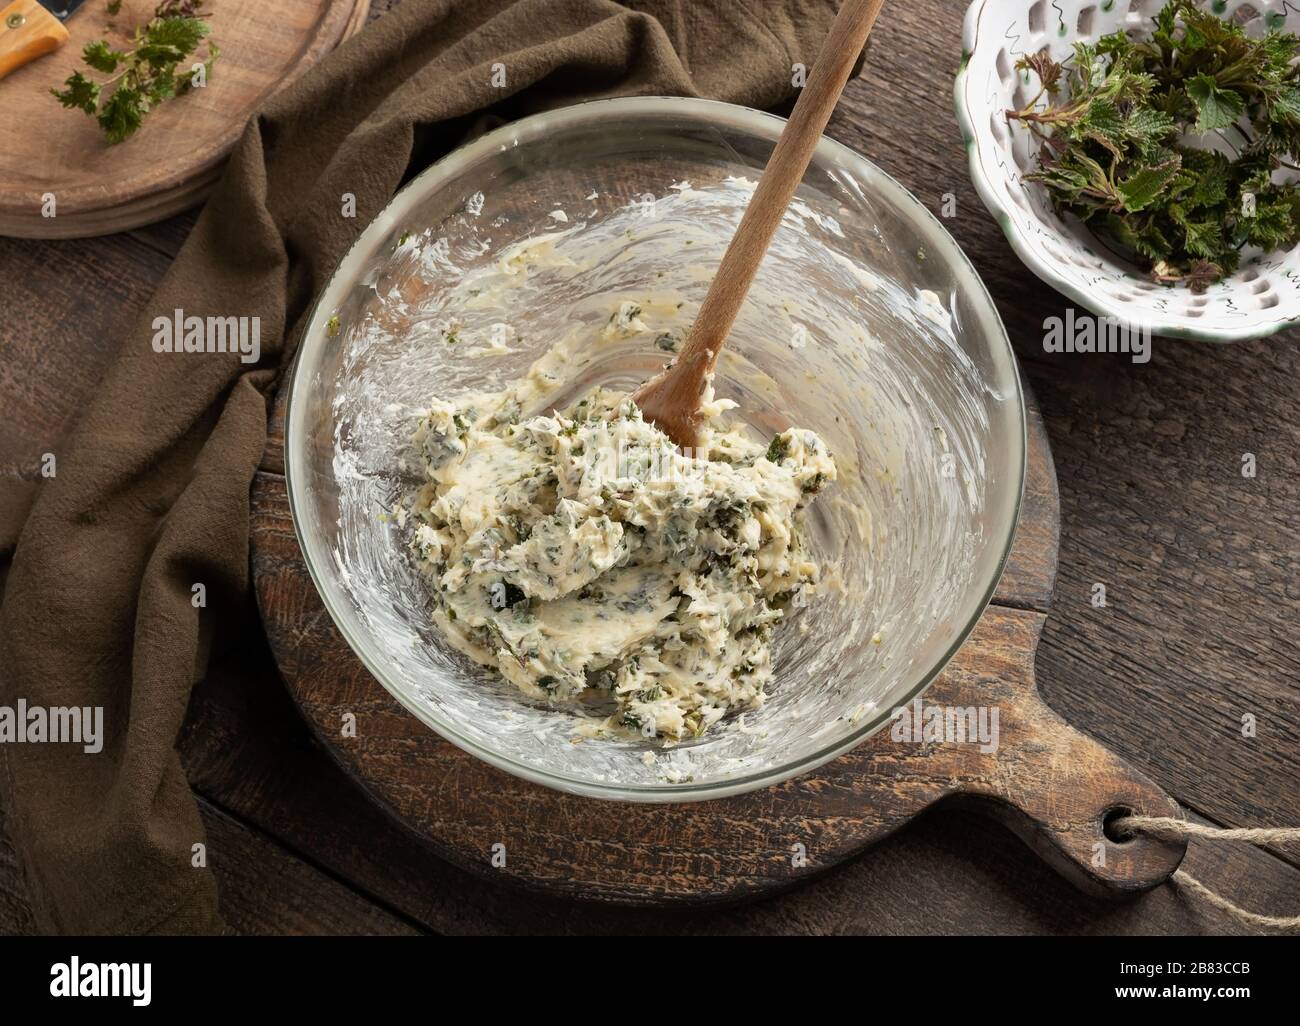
[(151, 491)]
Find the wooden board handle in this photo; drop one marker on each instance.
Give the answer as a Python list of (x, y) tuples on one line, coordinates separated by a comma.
[(1055, 786), (27, 31)]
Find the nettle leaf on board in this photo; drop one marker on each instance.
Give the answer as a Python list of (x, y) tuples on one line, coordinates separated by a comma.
[(154, 68)]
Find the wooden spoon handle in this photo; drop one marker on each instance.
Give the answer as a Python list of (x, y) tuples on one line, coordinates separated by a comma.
[(781, 177)]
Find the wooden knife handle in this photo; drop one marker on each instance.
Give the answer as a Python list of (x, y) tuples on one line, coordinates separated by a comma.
[(27, 31)]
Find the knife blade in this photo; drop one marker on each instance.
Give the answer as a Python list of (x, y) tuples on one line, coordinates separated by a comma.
[(30, 29)]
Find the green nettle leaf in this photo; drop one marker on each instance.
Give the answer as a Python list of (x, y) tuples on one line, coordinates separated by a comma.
[(184, 34), (1216, 108), (1116, 46), (143, 76), (122, 114), (1089, 68), (1151, 243), (1273, 225), (1193, 41), (1148, 127), (159, 55), (1140, 189), (1206, 175), (1275, 53), (1203, 238), (1210, 190), (1127, 235), (1285, 105), (100, 56), (1061, 180), (1102, 122), (1166, 22), (79, 92), (163, 87)]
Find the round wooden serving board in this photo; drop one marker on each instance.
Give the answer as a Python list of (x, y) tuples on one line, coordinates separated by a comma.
[(178, 154), (1053, 785)]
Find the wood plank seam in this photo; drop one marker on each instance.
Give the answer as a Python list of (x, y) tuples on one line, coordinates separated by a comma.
[(293, 852)]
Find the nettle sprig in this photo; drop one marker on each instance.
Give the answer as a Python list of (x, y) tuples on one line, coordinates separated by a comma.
[(1119, 147), (146, 73)]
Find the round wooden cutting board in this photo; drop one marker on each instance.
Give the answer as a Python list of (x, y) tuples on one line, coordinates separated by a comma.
[(1055, 786), (178, 154)]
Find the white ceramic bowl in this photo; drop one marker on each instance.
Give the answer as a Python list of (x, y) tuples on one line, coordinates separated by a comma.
[(1262, 297)]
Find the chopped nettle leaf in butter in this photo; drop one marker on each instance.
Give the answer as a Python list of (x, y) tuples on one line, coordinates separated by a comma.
[(582, 554)]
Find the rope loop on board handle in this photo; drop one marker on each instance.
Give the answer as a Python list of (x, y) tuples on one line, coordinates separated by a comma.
[(1168, 828)]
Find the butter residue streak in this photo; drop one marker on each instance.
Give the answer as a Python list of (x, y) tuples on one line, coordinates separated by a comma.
[(586, 558)]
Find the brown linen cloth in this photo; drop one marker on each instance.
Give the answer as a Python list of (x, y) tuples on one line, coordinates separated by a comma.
[(151, 493)]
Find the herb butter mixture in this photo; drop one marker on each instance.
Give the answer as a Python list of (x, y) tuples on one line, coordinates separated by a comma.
[(584, 556)]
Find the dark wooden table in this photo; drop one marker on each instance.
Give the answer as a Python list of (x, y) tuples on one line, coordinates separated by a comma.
[(1199, 564)]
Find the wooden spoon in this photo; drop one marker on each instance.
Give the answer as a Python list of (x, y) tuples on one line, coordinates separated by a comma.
[(672, 399)]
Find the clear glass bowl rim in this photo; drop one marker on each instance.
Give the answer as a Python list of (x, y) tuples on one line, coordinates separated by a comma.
[(716, 112)]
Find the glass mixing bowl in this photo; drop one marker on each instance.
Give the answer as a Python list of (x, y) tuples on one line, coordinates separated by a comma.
[(866, 324)]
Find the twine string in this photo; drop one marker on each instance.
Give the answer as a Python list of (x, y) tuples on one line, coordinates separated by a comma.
[(1168, 828)]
